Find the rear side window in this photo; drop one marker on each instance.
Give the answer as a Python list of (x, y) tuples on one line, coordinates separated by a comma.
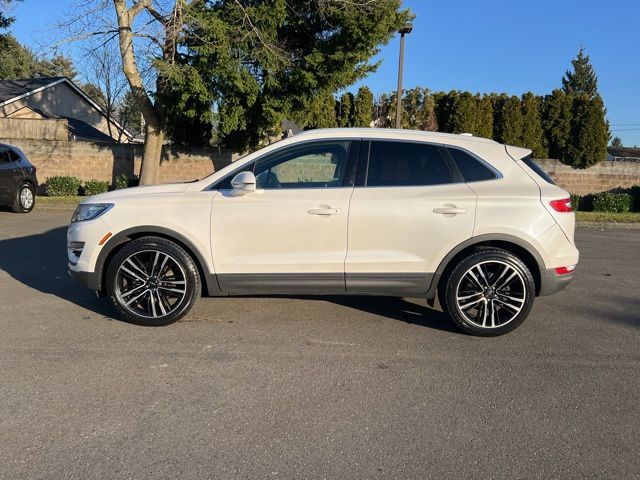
[(472, 169), (406, 164), (528, 161)]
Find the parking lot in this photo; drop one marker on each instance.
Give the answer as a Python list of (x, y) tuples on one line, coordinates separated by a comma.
[(357, 387)]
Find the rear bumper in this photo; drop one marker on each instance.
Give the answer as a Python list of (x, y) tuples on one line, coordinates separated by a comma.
[(551, 282), (88, 279)]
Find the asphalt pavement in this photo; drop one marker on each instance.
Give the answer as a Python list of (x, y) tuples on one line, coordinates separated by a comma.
[(329, 387)]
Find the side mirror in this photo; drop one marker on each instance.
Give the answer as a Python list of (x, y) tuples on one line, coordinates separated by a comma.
[(243, 183)]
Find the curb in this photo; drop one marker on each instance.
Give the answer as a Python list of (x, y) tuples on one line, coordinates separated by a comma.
[(609, 225)]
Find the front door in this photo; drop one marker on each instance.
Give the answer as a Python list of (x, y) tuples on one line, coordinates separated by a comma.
[(409, 210), (290, 235), (10, 175)]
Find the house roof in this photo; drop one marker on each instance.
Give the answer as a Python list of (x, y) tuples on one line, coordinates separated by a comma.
[(12, 90), (624, 152)]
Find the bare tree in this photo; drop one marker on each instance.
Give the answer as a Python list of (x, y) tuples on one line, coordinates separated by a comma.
[(147, 33), (103, 69)]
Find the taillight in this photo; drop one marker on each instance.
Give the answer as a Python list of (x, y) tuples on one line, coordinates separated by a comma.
[(563, 205), (565, 270)]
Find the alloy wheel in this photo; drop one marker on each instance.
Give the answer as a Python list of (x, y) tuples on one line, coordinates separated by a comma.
[(151, 284), (26, 198), (491, 294)]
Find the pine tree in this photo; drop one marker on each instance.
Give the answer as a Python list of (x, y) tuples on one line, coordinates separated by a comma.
[(363, 108), (464, 114), (444, 108), (616, 142), (484, 122), (532, 132), (556, 122), (345, 110), (589, 132), (428, 121), (508, 120), (582, 80)]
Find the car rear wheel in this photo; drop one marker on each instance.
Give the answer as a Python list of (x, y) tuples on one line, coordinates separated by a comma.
[(25, 199), (488, 293), (152, 281)]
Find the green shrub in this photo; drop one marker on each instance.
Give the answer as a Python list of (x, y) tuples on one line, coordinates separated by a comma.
[(575, 201), (95, 187), (123, 181), (62, 186), (611, 202)]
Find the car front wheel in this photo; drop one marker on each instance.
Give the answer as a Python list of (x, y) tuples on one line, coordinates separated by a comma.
[(152, 281), (488, 293)]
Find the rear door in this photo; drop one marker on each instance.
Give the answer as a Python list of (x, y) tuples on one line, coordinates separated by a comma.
[(409, 208)]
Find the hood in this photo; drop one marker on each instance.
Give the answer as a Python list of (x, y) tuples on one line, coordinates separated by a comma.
[(134, 191)]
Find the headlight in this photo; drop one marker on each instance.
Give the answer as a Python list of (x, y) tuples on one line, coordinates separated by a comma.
[(89, 211)]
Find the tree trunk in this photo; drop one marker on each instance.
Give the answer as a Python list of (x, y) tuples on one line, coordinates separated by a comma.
[(150, 168)]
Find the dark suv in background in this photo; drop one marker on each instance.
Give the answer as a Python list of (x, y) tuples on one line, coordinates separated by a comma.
[(18, 181)]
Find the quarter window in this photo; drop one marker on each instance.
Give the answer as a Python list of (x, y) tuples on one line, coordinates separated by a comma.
[(320, 165), (472, 169), (406, 164)]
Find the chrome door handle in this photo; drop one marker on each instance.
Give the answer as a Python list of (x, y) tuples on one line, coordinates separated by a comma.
[(449, 210), (323, 210)]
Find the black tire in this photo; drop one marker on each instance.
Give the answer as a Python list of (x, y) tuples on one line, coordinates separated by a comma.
[(159, 305), (498, 309), (22, 205)]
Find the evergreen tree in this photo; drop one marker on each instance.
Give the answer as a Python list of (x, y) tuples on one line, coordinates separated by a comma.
[(285, 62), (589, 132), (582, 80), (363, 108), (58, 66), (532, 132), (345, 110), (412, 108), (616, 142), (6, 20), (16, 61), (464, 114), (428, 118), (444, 107), (508, 120), (484, 122), (320, 112), (556, 122)]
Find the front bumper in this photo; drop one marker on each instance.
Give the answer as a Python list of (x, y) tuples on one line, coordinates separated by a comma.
[(551, 282), (88, 279)]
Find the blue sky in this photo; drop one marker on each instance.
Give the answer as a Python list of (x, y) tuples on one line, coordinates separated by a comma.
[(508, 46)]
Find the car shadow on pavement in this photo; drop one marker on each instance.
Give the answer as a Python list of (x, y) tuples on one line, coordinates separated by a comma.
[(40, 262)]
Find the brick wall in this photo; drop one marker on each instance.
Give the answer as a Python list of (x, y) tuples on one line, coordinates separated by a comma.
[(102, 161), (599, 178)]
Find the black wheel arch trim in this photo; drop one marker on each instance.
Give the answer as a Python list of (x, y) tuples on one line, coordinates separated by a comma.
[(489, 237), (210, 280)]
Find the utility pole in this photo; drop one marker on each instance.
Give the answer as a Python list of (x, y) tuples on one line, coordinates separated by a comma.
[(406, 28)]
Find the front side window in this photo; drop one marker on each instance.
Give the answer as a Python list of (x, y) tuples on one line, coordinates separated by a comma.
[(406, 164), (319, 165)]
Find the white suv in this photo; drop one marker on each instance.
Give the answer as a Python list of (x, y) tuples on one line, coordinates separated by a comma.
[(344, 211)]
